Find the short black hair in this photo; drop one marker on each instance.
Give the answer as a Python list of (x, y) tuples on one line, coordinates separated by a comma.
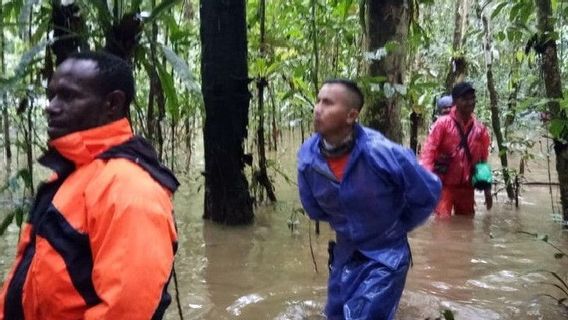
[(114, 73), (352, 87), (462, 88)]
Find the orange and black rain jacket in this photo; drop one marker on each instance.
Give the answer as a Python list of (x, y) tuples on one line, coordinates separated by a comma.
[(100, 239)]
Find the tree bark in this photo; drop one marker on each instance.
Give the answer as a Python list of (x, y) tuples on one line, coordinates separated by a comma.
[(226, 96), (458, 65), (387, 25), (494, 106), (553, 88)]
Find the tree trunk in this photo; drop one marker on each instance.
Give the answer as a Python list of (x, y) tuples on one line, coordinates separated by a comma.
[(387, 25), (415, 119), (553, 88), (458, 66), (493, 102), (226, 97), (261, 84)]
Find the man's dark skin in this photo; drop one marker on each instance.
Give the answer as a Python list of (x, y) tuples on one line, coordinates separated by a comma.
[(76, 101)]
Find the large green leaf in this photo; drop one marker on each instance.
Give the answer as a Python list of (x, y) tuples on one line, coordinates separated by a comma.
[(181, 69), (168, 84)]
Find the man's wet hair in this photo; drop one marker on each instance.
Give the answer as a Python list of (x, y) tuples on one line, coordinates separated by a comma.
[(114, 73), (352, 87)]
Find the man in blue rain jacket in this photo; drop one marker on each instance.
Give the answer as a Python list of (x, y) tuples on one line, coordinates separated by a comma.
[(373, 192)]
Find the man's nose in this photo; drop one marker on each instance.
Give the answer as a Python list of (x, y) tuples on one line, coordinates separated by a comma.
[(52, 107), (317, 109)]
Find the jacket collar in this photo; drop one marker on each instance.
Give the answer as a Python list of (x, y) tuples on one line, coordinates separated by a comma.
[(84, 146), (320, 162), (454, 114)]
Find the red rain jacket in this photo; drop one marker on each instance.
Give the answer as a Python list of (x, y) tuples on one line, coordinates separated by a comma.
[(443, 144), (99, 241)]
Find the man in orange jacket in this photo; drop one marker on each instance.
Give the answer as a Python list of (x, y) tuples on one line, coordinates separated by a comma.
[(456, 143), (100, 238)]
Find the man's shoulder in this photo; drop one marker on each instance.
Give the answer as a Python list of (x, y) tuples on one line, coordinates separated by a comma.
[(124, 174), (443, 122), (306, 153), (374, 141)]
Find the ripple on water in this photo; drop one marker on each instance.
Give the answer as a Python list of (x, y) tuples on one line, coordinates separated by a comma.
[(239, 304)]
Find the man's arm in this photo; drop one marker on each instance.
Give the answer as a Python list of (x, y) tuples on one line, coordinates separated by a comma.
[(309, 203), (430, 149), (132, 233), (421, 190)]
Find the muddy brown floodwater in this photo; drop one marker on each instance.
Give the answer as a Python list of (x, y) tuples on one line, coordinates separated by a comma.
[(480, 268)]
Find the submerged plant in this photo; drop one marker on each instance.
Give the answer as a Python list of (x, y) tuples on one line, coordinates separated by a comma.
[(559, 282)]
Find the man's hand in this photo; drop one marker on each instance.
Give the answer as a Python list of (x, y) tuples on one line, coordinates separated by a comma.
[(488, 199)]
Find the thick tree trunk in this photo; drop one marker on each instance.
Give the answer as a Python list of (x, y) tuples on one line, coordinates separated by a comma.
[(387, 25), (458, 65), (553, 88), (226, 96), (493, 102)]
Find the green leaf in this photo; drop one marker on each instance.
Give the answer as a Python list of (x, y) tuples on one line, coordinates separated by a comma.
[(135, 5), (558, 128), (27, 57), (159, 9), (6, 222), (181, 69), (168, 85), (498, 9), (104, 14)]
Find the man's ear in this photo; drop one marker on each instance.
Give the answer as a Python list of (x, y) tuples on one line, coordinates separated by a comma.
[(352, 116), (116, 104)]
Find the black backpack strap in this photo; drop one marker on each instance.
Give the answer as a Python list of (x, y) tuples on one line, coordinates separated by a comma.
[(463, 142)]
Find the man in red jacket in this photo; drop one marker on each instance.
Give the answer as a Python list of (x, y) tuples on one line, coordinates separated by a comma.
[(456, 143)]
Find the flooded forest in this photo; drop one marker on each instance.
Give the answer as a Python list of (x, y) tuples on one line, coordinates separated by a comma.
[(225, 92)]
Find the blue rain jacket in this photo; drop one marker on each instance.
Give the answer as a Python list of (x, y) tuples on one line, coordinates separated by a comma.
[(384, 194)]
